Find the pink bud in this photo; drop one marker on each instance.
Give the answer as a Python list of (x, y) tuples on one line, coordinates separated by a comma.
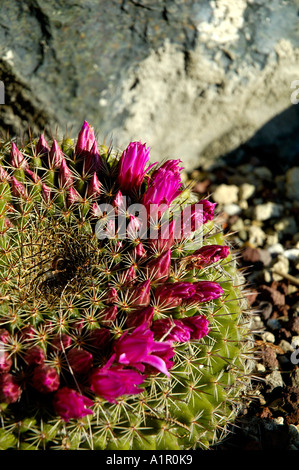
[(172, 294), (80, 360), (42, 146), (4, 336), (70, 404), (94, 187), (108, 315), (86, 139), (47, 193), (111, 296), (209, 254), (45, 379), (127, 276), (61, 342), (171, 330), (4, 176), (34, 355), (17, 188), (73, 197), (98, 339), (159, 268), (5, 361), (32, 175), (140, 317), (65, 177), (92, 161), (17, 159), (140, 296), (9, 389), (56, 156)]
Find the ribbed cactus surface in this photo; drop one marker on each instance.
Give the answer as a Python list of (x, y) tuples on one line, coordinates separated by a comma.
[(122, 322)]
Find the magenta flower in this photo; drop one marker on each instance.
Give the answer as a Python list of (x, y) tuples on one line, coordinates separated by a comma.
[(79, 360), (198, 325), (139, 348), (86, 139), (10, 391), (111, 383), (69, 403), (205, 291), (172, 294), (131, 167), (171, 330), (207, 210), (210, 254), (164, 186), (45, 379)]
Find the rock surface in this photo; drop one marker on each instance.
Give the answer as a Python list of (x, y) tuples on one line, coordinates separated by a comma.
[(195, 80)]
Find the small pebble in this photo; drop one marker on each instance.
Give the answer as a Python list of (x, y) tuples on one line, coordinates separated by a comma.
[(268, 337), (226, 194), (268, 210)]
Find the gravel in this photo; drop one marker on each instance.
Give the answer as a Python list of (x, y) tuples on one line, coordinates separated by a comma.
[(259, 204)]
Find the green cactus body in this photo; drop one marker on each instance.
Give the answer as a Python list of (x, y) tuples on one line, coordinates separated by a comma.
[(112, 342)]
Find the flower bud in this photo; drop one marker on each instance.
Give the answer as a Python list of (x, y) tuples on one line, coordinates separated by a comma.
[(79, 360), (70, 404), (45, 379)]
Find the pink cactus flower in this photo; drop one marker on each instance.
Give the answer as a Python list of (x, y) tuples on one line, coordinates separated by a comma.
[(138, 348), (160, 195), (205, 291), (70, 404), (116, 381), (34, 355), (198, 324), (172, 294), (159, 268), (209, 254), (132, 167)]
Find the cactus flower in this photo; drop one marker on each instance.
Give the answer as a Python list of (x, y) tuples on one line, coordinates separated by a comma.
[(112, 383), (70, 404), (132, 167)]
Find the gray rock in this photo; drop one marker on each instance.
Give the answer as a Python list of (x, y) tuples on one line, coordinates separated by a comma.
[(292, 186), (246, 190), (268, 210), (280, 265), (194, 80), (274, 380), (232, 209), (226, 194), (286, 226), (256, 236)]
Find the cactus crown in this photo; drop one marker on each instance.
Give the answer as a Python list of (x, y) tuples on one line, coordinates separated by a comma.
[(122, 320)]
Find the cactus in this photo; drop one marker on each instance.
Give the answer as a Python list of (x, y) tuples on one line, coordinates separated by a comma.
[(123, 323)]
